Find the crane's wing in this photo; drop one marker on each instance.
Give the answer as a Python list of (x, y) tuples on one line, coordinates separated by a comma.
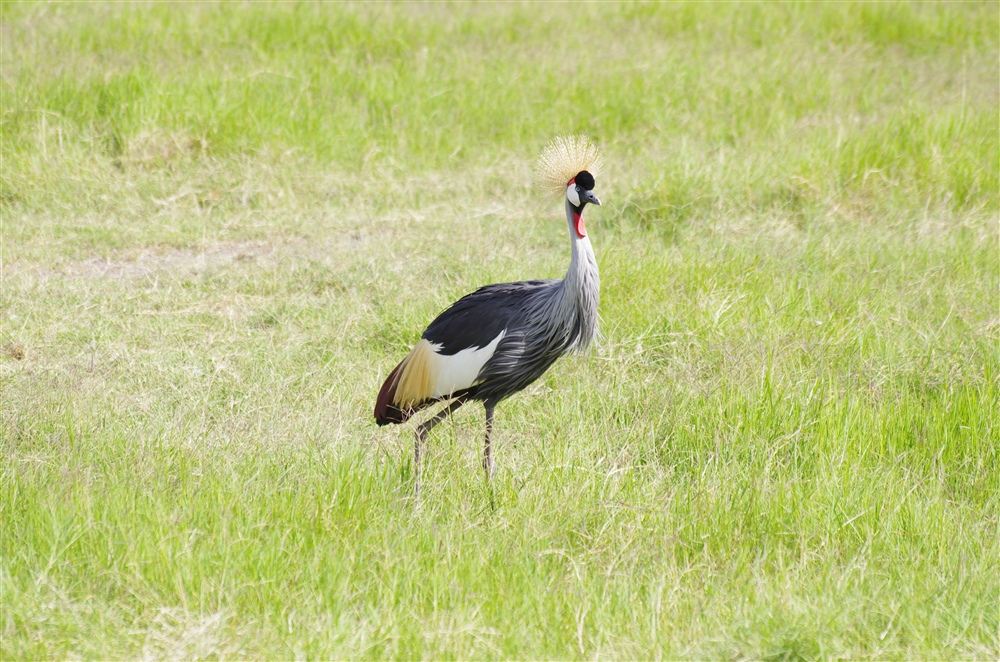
[(477, 319), (453, 350)]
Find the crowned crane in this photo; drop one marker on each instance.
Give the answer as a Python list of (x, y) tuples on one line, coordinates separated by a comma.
[(497, 340)]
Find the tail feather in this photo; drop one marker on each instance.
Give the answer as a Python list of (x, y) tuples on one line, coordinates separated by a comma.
[(425, 377), (385, 411)]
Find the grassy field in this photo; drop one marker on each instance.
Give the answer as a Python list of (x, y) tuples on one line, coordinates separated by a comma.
[(223, 224)]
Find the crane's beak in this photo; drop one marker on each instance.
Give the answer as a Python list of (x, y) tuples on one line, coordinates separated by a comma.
[(588, 196)]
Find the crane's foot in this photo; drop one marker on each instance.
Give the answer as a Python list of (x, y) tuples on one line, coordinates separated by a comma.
[(489, 467), (421, 435), (417, 448)]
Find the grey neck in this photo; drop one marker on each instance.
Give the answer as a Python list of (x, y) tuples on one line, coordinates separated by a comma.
[(582, 285)]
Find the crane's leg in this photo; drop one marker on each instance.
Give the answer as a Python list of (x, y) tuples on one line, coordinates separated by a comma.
[(422, 431), (488, 465)]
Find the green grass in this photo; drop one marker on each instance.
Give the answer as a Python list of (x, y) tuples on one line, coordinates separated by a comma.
[(223, 224)]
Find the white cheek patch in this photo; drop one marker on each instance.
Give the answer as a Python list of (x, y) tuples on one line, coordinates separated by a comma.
[(572, 195)]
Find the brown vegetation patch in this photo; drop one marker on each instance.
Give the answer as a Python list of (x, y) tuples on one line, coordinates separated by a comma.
[(159, 148), (13, 350), (153, 260), (181, 261), (146, 262)]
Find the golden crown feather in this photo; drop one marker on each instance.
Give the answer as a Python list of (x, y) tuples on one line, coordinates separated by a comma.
[(563, 158)]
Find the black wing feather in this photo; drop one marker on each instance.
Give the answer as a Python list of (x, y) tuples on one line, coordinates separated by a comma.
[(477, 318)]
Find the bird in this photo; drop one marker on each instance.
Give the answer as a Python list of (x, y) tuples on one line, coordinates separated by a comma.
[(494, 342)]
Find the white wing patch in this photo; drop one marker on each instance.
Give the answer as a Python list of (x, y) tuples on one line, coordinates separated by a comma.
[(426, 375), (459, 371)]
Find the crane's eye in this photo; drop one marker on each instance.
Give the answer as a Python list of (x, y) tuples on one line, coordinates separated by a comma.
[(577, 189)]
